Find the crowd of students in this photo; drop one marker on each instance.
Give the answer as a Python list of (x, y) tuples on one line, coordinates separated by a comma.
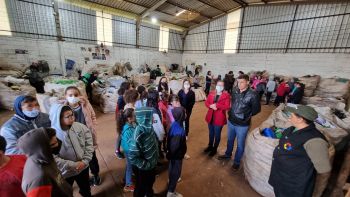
[(151, 125)]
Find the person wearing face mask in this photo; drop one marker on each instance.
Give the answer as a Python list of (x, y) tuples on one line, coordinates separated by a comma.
[(218, 102), (245, 103), (41, 177), (27, 117), (187, 99), (85, 114), (77, 147)]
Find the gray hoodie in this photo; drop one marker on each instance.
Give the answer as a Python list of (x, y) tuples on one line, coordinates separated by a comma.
[(40, 174), (77, 144)]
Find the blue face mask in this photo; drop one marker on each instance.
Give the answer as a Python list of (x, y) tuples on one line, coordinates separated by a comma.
[(31, 114)]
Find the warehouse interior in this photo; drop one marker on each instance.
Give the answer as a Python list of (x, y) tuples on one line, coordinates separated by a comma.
[(143, 41)]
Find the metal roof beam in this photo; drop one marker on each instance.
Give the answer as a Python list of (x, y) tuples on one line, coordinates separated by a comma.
[(151, 9), (241, 2), (211, 6), (189, 9)]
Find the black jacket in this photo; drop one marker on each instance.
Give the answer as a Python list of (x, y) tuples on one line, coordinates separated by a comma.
[(243, 106), (176, 142), (292, 171), (187, 100), (297, 96)]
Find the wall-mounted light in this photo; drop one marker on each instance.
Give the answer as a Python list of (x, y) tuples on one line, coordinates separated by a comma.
[(154, 20)]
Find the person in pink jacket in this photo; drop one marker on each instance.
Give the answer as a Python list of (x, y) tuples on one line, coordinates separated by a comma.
[(85, 114)]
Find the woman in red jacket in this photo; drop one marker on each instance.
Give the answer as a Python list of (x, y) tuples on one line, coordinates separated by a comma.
[(218, 102)]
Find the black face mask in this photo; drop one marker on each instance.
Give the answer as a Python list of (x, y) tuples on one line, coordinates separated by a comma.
[(57, 149)]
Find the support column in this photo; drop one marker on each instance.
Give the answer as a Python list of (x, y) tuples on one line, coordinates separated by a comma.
[(183, 38), (59, 36), (138, 24), (240, 31), (291, 28)]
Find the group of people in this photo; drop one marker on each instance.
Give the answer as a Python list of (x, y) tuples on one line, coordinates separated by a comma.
[(152, 124), (291, 91), (302, 152), (60, 147), (43, 155)]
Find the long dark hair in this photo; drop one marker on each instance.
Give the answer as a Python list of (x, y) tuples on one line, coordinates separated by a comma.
[(143, 93), (160, 88), (152, 101), (123, 118), (196, 71)]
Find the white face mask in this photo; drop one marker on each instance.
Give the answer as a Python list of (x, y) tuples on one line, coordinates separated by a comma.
[(219, 88), (186, 86), (31, 114), (73, 100)]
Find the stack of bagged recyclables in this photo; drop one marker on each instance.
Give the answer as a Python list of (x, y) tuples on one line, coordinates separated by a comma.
[(329, 92), (12, 70), (141, 79), (54, 90), (9, 94), (258, 154), (109, 95), (311, 83), (57, 86)]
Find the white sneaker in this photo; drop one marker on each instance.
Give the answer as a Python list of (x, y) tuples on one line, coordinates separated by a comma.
[(175, 194)]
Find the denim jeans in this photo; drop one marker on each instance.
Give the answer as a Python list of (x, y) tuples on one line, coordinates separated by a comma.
[(240, 132), (128, 171), (214, 135)]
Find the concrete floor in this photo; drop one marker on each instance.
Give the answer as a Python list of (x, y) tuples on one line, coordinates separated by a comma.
[(201, 175)]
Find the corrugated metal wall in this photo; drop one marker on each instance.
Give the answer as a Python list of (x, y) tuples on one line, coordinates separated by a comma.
[(149, 36), (216, 37), (299, 28), (35, 19), (78, 24), (124, 32), (196, 40), (264, 30), (175, 41)]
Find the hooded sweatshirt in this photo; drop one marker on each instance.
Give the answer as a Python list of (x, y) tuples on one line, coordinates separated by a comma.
[(77, 144), (19, 124), (89, 117), (41, 176), (127, 135), (177, 136), (144, 144)]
